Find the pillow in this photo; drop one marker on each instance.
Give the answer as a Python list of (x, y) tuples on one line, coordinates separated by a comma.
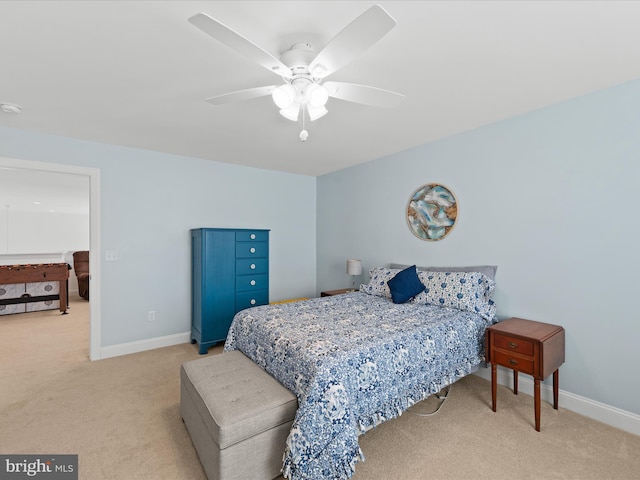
[(488, 270), (378, 278), (405, 285), (468, 291)]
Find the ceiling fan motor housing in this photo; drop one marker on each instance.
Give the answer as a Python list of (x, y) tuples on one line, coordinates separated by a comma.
[(298, 58)]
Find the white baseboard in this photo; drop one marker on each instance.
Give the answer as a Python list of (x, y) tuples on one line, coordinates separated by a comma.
[(143, 345), (616, 417)]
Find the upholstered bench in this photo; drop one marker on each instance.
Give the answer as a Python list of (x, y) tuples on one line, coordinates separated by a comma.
[(238, 416)]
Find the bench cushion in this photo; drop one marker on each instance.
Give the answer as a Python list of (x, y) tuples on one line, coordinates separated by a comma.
[(235, 398)]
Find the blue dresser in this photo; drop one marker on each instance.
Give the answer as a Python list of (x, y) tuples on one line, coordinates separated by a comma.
[(230, 272)]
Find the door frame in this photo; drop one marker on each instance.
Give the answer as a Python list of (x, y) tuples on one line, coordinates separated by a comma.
[(93, 175)]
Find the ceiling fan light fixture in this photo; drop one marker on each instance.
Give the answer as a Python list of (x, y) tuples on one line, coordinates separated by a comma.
[(317, 95), (291, 112), (284, 96), (316, 112), (303, 70)]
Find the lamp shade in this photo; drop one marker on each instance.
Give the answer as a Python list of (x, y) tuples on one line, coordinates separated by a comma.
[(354, 267)]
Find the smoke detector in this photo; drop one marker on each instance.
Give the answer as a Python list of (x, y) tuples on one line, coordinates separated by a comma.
[(10, 108)]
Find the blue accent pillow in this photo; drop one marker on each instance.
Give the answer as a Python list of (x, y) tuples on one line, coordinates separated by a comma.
[(405, 285)]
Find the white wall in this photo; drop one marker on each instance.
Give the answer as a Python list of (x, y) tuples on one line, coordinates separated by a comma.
[(550, 197), (40, 232), (149, 201)]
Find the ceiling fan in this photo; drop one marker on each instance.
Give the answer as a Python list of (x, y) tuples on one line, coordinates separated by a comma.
[(303, 71)]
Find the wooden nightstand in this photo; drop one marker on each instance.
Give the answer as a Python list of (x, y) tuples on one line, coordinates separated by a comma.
[(534, 348), (331, 293)]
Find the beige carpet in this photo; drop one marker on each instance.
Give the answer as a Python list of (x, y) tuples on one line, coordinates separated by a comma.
[(121, 416)]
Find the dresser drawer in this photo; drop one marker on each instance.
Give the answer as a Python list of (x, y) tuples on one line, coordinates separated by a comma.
[(251, 266), (521, 364), (251, 282), (249, 249), (513, 344), (252, 236), (251, 299)]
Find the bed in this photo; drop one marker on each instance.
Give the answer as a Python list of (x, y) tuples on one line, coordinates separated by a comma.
[(358, 359)]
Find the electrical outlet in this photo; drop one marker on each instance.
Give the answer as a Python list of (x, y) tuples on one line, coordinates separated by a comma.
[(151, 316), (111, 256)]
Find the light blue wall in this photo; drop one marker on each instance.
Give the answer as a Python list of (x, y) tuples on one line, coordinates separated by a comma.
[(548, 196), (551, 197), (150, 200)]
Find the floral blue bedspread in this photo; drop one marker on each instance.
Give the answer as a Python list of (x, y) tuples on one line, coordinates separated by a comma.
[(354, 361)]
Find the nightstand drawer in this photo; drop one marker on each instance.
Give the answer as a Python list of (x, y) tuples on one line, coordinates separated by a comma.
[(521, 364), (513, 344)]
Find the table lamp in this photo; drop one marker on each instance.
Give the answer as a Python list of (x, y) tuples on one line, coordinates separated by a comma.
[(354, 267)]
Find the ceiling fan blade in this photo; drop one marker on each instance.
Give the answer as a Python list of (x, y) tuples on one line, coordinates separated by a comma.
[(242, 95), (240, 44), (352, 92), (354, 39)]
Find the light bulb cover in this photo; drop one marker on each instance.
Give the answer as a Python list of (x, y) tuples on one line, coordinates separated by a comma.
[(316, 95), (316, 112), (284, 96), (292, 112)]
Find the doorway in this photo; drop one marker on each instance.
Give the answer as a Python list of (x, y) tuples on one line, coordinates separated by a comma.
[(93, 176)]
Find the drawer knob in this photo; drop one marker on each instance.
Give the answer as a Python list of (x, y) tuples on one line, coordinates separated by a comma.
[(253, 236), (253, 266), (253, 301), (513, 345), (253, 250), (512, 361), (253, 282)]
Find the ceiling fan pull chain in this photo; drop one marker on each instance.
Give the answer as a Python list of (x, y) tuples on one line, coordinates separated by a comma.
[(303, 134)]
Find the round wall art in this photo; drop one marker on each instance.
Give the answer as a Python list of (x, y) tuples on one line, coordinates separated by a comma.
[(432, 212)]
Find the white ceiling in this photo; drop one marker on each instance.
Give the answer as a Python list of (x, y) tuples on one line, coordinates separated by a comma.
[(136, 73)]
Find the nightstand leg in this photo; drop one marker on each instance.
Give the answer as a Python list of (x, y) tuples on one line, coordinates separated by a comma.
[(494, 387), (515, 382), (536, 395), (556, 381)]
